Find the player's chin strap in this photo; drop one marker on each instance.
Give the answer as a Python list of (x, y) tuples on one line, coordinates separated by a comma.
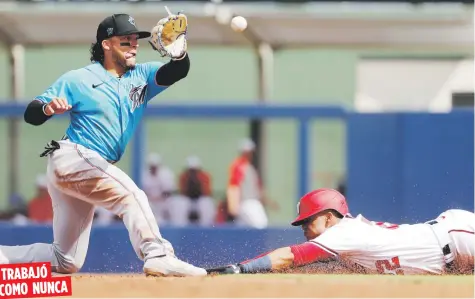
[(442, 235)]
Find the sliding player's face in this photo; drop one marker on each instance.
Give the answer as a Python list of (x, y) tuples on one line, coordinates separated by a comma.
[(316, 225)]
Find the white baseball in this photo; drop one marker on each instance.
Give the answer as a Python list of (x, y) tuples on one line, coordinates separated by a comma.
[(238, 24)]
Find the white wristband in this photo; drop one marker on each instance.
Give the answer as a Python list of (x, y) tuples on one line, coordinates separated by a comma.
[(44, 106), (180, 58)]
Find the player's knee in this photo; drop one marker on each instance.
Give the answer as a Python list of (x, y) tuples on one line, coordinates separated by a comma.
[(69, 268), (68, 264)]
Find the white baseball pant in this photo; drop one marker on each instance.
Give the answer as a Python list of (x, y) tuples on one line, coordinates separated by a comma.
[(79, 179), (180, 207), (252, 214), (460, 225)]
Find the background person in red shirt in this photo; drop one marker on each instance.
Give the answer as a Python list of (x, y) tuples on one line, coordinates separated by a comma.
[(245, 194)]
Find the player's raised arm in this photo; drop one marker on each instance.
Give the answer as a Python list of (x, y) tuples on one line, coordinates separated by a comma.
[(55, 100), (173, 71), (168, 38)]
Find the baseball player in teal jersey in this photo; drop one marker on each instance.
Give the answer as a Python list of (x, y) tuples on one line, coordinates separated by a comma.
[(106, 100)]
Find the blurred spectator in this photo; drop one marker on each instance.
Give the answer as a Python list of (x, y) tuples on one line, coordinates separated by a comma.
[(40, 208), (16, 213), (18, 210), (158, 183), (194, 202), (221, 212), (245, 194), (17, 202)]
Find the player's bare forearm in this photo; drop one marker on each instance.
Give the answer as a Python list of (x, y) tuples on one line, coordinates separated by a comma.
[(232, 196), (281, 258), (173, 71)]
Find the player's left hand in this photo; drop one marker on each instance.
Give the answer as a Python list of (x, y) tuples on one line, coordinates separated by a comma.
[(168, 37), (229, 269)]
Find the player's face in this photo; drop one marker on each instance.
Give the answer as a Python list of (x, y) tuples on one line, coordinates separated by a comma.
[(124, 50), (315, 226), (248, 154)]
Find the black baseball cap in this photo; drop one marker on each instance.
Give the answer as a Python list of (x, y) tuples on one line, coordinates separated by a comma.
[(119, 25)]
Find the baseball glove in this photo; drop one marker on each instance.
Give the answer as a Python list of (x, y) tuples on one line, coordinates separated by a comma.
[(168, 37)]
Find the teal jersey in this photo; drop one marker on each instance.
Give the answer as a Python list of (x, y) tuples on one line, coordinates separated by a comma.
[(105, 109)]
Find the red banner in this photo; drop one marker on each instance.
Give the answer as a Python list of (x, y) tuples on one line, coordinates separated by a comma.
[(31, 281)]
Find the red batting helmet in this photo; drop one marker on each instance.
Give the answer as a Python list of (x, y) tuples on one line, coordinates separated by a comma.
[(320, 200)]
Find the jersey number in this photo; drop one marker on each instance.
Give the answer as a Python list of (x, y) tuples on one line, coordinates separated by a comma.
[(389, 265)]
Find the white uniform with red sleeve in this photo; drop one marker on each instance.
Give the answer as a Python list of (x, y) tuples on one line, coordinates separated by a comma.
[(395, 249)]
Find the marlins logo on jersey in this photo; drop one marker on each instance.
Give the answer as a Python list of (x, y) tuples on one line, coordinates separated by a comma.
[(137, 96)]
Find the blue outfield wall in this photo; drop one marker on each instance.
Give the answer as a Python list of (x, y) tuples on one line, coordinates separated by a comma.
[(401, 167), (110, 249), (410, 167)]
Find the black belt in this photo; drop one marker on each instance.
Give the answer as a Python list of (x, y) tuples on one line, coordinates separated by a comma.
[(445, 250)]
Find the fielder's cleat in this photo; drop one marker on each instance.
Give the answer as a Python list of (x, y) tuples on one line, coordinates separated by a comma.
[(171, 266)]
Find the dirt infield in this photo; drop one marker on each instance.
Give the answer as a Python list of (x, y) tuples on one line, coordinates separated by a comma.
[(273, 285)]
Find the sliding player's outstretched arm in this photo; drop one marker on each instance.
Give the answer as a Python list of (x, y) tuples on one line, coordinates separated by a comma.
[(279, 259)]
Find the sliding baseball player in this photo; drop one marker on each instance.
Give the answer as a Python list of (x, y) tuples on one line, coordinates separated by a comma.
[(443, 245)]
